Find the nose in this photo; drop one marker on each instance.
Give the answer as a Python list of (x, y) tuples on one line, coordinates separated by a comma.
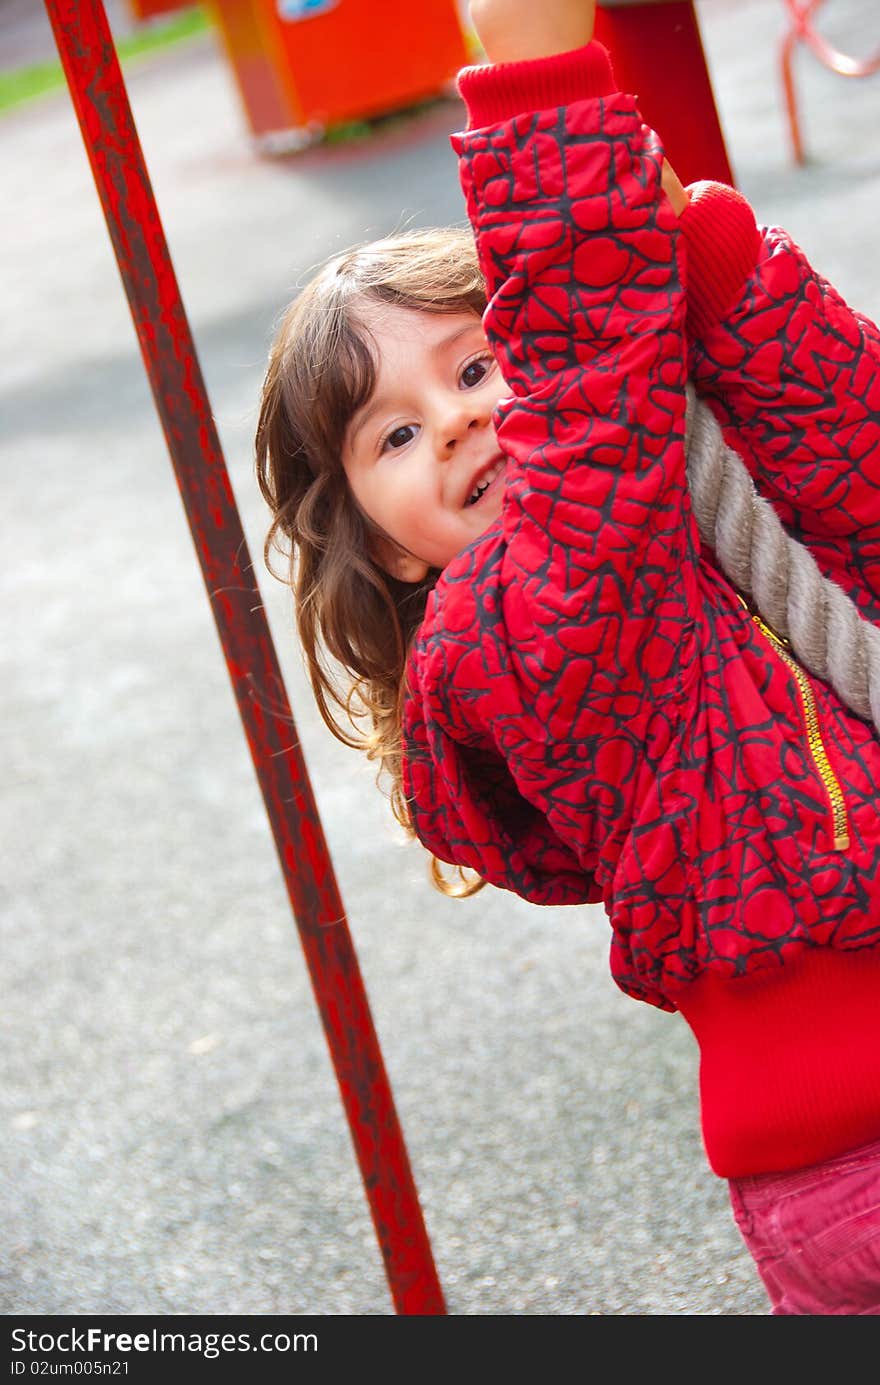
[(459, 416)]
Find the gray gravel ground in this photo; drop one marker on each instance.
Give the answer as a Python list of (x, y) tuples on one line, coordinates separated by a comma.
[(172, 1137)]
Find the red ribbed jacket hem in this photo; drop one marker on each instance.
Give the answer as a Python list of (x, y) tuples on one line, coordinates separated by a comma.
[(789, 1061)]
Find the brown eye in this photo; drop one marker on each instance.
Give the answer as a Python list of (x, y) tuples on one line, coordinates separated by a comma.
[(400, 437), (475, 373)]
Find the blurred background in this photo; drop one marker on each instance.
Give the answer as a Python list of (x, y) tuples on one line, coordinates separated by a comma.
[(171, 1136)]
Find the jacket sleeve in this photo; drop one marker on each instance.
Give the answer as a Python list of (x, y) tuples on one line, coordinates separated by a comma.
[(468, 810), (586, 317), (563, 645), (793, 374)]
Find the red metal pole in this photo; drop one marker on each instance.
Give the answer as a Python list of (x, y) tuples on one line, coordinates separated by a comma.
[(99, 96), (657, 53)]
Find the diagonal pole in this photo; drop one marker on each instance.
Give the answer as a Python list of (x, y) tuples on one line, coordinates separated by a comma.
[(657, 51), (99, 97)]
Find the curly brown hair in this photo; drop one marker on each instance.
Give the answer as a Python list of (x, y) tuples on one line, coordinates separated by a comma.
[(349, 611)]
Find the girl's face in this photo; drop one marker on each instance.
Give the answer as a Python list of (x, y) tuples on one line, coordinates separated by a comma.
[(421, 456)]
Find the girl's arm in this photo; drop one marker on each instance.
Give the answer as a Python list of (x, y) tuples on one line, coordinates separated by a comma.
[(514, 31), (566, 649), (586, 316)]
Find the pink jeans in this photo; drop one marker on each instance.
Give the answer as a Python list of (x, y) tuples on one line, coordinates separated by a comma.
[(815, 1234)]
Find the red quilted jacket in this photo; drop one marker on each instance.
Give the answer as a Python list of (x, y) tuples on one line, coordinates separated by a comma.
[(593, 713)]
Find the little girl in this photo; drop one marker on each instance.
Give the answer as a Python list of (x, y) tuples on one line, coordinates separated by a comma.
[(496, 544)]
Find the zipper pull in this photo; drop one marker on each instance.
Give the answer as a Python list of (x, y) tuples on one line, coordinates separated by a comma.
[(770, 632)]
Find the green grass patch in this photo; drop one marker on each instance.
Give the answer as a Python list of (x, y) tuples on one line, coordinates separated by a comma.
[(24, 83)]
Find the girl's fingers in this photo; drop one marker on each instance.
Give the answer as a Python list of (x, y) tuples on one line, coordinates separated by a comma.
[(673, 188)]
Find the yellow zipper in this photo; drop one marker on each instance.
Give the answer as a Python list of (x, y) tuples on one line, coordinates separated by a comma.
[(840, 831)]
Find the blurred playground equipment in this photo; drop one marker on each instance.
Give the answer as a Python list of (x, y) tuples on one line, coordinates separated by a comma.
[(303, 66), (801, 30)]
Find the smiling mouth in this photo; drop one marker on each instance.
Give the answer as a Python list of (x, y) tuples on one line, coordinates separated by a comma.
[(485, 482)]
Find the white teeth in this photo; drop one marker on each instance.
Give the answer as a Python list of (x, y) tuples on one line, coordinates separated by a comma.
[(482, 486)]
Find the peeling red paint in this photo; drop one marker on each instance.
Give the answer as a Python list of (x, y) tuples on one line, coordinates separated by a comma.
[(99, 97)]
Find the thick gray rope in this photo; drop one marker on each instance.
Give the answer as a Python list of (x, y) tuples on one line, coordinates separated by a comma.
[(822, 624)]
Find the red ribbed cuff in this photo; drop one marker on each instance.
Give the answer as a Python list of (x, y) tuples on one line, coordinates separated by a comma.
[(723, 244), (497, 91)]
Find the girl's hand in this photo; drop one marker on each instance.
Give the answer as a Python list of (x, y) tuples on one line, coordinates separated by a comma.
[(517, 30)]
